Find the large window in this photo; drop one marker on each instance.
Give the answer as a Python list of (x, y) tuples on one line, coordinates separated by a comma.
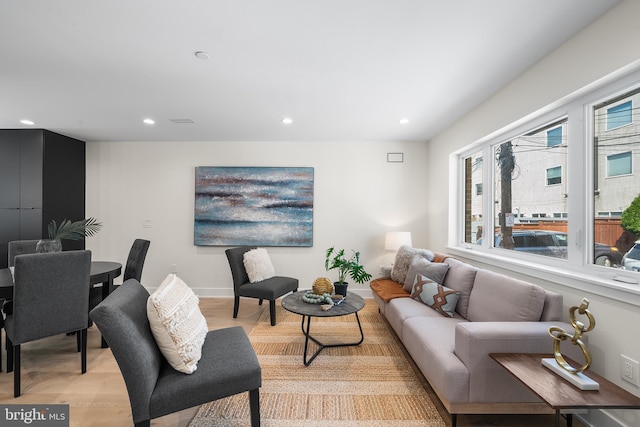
[(539, 199), (529, 189), (616, 142)]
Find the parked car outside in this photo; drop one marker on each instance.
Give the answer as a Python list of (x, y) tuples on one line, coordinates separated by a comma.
[(554, 244), (631, 260)]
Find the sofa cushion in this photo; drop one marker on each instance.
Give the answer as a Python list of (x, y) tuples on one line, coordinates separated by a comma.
[(177, 324), (496, 297), (432, 270), (404, 256), (387, 289), (258, 265), (440, 298), (460, 277), (398, 310)]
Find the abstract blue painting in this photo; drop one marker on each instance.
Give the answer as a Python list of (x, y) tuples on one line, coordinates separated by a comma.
[(253, 206)]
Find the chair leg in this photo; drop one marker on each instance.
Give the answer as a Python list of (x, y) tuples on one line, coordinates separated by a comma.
[(254, 406), (16, 370), (272, 311), (260, 302), (83, 354), (236, 304), (145, 423), (9, 348)]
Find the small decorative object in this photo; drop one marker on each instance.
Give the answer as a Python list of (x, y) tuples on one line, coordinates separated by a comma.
[(559, 365), (48, 245), (335, 259), (313, 298), (67, 230), (321, 286)]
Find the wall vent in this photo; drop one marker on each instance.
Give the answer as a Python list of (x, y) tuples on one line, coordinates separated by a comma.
[(181, 121)]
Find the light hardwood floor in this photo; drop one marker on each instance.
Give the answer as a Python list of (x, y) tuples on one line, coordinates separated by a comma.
[(51, 374)]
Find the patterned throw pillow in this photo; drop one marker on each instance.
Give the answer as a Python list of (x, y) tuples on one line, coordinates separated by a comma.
[(258, 265), (177, 324), (436, 296)]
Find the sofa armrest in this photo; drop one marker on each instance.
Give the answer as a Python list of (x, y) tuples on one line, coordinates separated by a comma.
[(474, 341)]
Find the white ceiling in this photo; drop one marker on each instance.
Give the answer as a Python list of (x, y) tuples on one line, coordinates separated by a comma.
[(341, 69)]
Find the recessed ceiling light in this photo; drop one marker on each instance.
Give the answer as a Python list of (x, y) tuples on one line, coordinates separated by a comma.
[(287, 120), (149, 121), (202, 55), (27, 122), (403, 121)]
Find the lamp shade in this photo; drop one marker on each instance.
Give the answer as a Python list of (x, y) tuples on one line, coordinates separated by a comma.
[(395, 239)]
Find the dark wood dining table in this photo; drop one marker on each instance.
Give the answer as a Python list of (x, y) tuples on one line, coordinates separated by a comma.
[(101, 275)]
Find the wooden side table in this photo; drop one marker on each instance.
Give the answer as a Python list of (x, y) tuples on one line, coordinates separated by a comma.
[(558, 393)]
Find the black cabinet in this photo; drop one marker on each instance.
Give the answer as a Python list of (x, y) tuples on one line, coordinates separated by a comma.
[(42, 178)]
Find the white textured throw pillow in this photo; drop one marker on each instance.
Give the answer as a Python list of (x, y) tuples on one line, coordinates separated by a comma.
[(177, 324), (258, 265)]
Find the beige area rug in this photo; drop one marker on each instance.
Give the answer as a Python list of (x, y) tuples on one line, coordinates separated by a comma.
[(370, 385)]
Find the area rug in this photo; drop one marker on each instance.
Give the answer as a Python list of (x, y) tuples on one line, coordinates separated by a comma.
[(370, 385)]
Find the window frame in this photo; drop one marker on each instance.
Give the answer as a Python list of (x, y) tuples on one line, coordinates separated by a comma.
[(577, 271), (618, 126), (559, 168)]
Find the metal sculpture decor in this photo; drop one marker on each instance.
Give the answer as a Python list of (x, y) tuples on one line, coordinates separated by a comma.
[(559, 364)]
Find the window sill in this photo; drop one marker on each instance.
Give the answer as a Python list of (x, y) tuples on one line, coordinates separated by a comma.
[(594, 279)]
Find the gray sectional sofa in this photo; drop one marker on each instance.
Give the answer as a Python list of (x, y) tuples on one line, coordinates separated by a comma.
[(494, 314)]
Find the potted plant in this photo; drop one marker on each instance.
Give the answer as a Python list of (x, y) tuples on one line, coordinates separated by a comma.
[(336, 259), (75, 230)]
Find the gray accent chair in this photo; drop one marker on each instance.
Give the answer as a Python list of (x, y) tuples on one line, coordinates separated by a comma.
[(228, 365), (50, 297), (270, 289), (21, 247)]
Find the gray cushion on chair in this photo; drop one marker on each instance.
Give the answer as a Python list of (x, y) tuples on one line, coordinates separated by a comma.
[(269, 289), (229, 366)]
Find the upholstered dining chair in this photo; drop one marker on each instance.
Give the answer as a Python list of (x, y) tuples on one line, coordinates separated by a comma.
[(132, 269), (135, 260), (21, 247), (228, 364), (50, 297), (269, 289)]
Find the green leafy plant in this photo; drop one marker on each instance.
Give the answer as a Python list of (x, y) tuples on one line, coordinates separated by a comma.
[(335, 259), (73, 230), (630, 220)]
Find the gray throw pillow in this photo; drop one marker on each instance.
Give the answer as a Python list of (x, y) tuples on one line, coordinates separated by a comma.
[(404, 256), (433, 270)]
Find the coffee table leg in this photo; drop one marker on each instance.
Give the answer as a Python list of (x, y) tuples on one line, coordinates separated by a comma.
[(321, 345)]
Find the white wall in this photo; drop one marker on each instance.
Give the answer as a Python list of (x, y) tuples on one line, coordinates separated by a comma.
[(358, 197), (604, 47)]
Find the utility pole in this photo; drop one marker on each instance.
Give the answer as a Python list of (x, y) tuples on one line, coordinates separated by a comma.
[(507, 163)]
